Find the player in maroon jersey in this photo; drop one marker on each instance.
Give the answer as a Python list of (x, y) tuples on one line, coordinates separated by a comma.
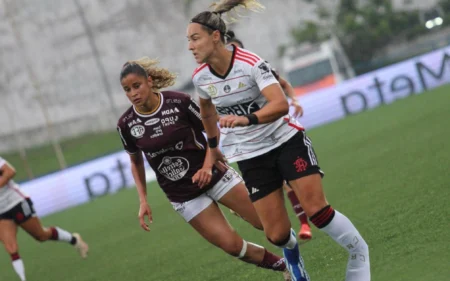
[(305, 230), (166, 127)]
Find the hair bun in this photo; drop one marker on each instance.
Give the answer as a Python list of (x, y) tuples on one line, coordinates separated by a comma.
[(230, 34)]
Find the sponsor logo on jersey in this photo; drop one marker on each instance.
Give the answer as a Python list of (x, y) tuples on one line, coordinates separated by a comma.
[(227, 88), (196, 113), (241, 85), (134, 122), (212, 90), (170, 111), (167, 121), (178, 146), (239, 109), (157, 132), (137, 131), (264, 68), (173, 101), (151, 122), (173, 168)]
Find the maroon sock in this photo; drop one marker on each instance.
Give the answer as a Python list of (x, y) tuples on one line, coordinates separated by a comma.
[(54, 233), (15, 256), (297, 207), (272, 261)]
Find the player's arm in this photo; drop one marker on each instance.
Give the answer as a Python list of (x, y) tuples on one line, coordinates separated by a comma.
[(277, 105), (7, 172), (138, 172), (289, 91), (287, 88)]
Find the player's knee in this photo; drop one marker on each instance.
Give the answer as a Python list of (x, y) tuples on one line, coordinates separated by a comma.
[(279, 238), (233, 246), (11, 247)]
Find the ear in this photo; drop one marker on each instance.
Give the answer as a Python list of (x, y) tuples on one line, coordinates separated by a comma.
[(216, 36), (150, 80)]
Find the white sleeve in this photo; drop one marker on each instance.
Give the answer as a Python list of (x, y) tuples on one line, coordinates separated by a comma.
[(2, 162), (201, 93), (262, 74)]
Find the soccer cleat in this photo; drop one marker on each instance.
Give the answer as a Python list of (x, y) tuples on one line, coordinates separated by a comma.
[(81, 246), (305, 233), (295, 263)]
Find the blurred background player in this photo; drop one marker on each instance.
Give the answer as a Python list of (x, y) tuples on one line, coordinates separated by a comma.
[(16, 209), (166, 127), (305, 230)]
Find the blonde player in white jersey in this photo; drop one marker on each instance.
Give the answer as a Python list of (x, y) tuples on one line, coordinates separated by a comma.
[(269, 146), (16, 209), (304, 233)]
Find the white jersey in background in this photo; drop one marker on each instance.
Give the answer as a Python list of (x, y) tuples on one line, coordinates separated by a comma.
[(238, 92), (10, 194)]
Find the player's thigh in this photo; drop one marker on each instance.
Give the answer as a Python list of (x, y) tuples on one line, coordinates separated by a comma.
[(272, 212), (261, 175), (212, 225), (30, 222), (8, 235), (237, 199), (299, 166), (232, 193)]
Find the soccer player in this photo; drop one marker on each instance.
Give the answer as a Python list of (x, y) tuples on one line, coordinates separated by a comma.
[(16, 209), (305, 230), (166, 127), (269, 146)]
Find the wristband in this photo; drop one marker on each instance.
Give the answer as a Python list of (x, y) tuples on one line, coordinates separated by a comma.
[(212, 142), (252, 119)]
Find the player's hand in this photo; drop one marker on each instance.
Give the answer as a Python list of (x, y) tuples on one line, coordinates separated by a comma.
[(231, 121), (145, 210), (203, 176), (298, 109)]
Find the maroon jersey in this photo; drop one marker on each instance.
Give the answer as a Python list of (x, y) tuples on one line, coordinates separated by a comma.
[(171, 139)]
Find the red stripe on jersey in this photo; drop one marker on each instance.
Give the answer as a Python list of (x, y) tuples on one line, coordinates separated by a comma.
[(252, 59), (244, 53), (225, 80), (245, 60), (198, 69)]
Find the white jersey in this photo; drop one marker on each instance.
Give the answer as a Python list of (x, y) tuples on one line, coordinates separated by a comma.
[(10, 194), (238, 92)]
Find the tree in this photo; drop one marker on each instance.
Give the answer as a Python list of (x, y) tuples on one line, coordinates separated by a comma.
[(363, 30)]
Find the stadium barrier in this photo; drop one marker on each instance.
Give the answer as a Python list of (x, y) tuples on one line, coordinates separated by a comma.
[(109, 174), (376, 88)]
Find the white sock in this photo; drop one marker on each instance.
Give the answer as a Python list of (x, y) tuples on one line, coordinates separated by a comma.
[(63, 235), (19, 268), (292, 241), (345, 234)]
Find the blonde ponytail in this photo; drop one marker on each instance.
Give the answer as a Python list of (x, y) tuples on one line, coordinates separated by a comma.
[(162, 77)]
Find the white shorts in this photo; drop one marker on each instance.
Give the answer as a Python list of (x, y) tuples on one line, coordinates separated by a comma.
[(190, 209)]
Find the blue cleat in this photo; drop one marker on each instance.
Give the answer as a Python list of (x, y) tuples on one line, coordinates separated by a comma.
[(295, 263)]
